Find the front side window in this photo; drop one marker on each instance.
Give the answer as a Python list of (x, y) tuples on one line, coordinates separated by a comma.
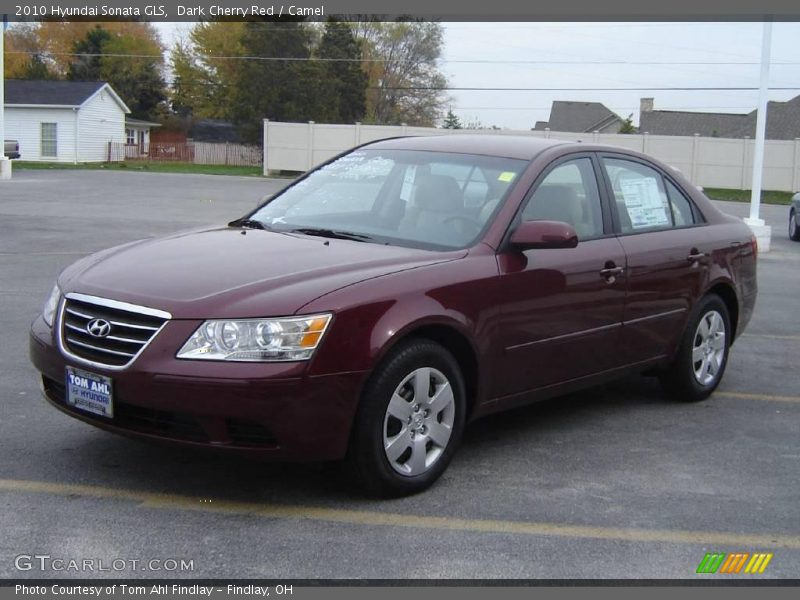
[(569, 194), (410, 198), (49, 144)]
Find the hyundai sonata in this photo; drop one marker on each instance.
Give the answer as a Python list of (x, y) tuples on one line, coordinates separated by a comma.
[(388, 297)]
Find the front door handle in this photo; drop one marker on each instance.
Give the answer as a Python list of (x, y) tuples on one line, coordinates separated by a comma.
[(610, 271), (695, 256)]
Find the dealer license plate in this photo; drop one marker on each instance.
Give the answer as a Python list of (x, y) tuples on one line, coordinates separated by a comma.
[(90, 392)]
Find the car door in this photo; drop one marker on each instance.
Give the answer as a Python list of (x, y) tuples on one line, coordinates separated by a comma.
[(667, 259), (562, 308)]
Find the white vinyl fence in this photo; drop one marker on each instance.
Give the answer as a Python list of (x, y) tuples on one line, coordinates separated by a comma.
[(708, 162)]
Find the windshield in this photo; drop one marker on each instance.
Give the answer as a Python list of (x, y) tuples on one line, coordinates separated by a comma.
[(401, 197)]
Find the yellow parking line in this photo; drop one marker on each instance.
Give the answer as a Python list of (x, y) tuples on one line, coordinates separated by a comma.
[(387, 519), (765, 397), (771, 336)]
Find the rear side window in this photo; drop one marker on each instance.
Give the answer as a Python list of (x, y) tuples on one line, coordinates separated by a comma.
[(640, 195), (569, 194), (683, 211)]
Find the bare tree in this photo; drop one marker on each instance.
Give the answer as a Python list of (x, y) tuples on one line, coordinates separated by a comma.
[(405, 83)]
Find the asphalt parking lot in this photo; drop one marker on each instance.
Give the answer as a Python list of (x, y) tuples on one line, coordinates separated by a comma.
[(616, 482)]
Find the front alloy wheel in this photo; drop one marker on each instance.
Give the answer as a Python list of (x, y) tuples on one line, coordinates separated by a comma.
[(409, 421), (419, 421)]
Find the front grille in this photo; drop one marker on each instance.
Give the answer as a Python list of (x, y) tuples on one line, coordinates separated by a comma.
[(159, 422), (130, 330), (249, 433), (136, 418)]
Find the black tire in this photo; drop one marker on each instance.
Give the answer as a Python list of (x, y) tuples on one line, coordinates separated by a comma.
[(367, 460), (679, 378), (794, 226)]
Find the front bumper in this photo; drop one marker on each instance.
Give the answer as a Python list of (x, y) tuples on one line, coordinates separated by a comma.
[(272, 410)]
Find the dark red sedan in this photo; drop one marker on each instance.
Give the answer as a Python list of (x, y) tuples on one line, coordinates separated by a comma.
[(382, 301)]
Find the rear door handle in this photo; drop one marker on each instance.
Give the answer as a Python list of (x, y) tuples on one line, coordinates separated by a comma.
[(695, 256), (610, 272)]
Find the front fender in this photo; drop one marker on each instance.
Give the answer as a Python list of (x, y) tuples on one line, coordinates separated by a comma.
[(360, 338)]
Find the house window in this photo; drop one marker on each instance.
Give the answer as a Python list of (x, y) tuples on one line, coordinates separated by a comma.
[(49, 140), (130, 135)]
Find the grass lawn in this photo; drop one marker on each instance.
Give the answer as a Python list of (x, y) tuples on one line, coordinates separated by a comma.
[(147, 167), (767, 196)]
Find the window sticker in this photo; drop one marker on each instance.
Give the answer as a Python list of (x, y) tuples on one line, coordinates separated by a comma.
[(408, 183), (506, 176), (644, 202)]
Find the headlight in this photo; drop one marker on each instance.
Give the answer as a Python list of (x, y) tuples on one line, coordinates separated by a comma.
[(283, 339), (51, 305)]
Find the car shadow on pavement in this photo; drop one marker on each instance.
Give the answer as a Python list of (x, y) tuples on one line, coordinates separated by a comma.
[(99, 458)]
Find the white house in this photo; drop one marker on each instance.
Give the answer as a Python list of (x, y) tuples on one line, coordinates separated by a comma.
[(64, 121), (137, 132)]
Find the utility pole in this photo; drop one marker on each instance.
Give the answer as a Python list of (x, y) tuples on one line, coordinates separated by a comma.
[(762, 231), (5, 164)]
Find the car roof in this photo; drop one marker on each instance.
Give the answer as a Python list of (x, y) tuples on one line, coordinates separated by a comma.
[(510, 146)]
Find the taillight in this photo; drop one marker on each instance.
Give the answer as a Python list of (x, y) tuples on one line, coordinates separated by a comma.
[(754, 246)]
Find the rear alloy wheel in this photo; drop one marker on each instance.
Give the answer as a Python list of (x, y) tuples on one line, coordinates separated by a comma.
[(794, 227), (410, 420), (703, 354), (708, 349)]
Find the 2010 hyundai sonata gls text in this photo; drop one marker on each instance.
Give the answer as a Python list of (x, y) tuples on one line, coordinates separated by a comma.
[(382, 301)]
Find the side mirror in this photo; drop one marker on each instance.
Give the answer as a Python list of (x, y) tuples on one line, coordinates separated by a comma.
[(544, 234)]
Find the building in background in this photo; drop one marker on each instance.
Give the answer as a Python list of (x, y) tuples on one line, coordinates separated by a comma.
[(64, 121), (137, 133), (783, 121), (581, 117)]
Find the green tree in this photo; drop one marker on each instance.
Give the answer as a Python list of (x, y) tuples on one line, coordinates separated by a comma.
[(627, 125), (451, 120), (24, 55), (204, 84), (283, 90), (130, 60), (139, 82), (343, 71), (405, 84), (88, 64)]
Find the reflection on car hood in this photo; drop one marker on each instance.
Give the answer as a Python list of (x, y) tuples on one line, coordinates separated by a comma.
[(226, 272)]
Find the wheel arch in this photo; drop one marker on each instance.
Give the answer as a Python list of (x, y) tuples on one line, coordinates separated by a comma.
[(451, 337), (727, 294)]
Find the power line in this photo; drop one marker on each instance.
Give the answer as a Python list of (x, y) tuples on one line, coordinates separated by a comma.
[(444, 61), (527, 89), (584, 89), (667, 109)]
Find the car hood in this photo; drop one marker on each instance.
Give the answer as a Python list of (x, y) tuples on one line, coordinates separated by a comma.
[(236, 273)]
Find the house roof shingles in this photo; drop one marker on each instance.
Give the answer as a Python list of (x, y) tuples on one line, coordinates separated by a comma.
[(783, 122), (578, 116), (676, 122), (49, 92)]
